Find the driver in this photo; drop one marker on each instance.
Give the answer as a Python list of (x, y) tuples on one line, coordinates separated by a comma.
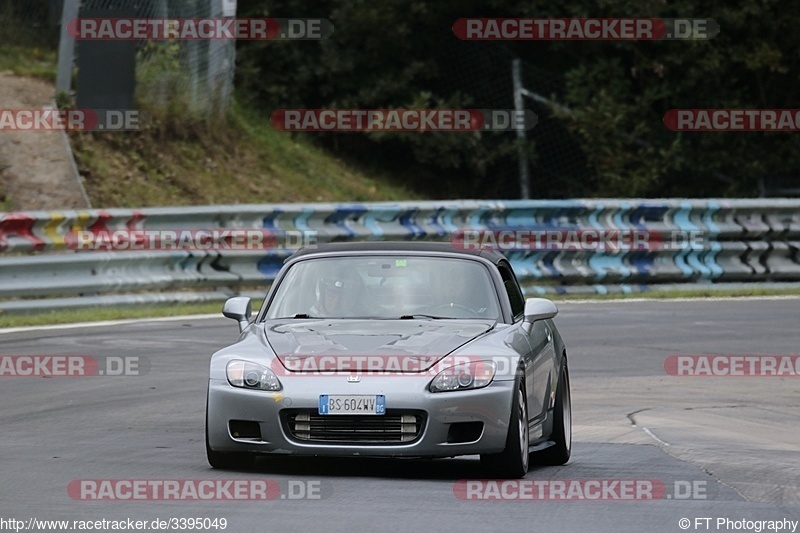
[(335, 298)]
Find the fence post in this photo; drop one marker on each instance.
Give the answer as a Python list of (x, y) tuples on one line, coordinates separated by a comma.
[(221, 59), (524, 169), (66, 47)]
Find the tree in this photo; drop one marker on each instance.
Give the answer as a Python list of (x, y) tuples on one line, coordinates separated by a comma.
[(398, 54)]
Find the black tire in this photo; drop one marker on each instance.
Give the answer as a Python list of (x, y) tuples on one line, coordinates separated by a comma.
[(227, 460), (559, 453), (513, 461)]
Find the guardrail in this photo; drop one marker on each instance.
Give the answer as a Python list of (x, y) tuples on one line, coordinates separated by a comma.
[(743, 241)]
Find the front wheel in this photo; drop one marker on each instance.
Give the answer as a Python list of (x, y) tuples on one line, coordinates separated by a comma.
[(513, 461), (229, 460), (559, 453)]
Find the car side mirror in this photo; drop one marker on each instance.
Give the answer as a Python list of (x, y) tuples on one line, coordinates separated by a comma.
[(539, 309), (240, 309)]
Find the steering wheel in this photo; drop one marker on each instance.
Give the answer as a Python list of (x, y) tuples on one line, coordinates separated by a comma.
[(451, 306)]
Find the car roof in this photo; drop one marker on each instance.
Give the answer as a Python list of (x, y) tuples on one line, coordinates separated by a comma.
[(396, 246)]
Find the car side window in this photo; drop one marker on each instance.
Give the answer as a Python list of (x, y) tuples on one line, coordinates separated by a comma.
[(512, 289)]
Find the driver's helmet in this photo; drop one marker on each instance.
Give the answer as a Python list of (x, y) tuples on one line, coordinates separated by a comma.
[(331, 292), (333, 284)]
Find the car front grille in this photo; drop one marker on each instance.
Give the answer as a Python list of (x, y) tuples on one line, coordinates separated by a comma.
[(393, 427)]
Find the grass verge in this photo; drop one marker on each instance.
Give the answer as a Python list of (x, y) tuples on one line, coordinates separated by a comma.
[(108, 313), (29, 60), (241, 160)]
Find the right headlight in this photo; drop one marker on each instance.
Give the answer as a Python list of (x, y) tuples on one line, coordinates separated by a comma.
[(474, 375), (252, 376)]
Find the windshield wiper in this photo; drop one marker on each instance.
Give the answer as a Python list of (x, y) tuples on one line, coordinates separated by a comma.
[(434, 317), (302, 315)]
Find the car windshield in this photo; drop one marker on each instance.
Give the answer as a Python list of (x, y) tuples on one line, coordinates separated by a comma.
[(386, 287)]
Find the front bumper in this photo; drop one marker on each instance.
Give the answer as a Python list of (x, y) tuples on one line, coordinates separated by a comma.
[(491, 406)]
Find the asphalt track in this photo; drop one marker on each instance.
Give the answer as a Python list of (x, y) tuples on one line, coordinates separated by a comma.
[(736, 439)]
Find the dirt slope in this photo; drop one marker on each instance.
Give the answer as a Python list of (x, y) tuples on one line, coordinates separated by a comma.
[(35, 168)]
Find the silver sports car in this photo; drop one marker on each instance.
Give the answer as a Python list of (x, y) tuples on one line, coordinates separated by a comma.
[(396, 350)]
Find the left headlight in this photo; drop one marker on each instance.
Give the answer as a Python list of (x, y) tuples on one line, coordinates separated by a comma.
[(252, 376), (474, 375)]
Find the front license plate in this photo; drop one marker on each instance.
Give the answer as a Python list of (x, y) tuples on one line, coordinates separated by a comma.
[(347, 404)]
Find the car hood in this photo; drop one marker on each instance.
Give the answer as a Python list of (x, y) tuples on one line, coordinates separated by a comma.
[(388, 343)]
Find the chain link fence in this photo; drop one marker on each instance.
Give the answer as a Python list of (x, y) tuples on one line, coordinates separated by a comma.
[(180, 76)]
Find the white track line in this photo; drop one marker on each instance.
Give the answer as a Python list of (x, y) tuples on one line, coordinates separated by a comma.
[(107, 323), (646, 430)]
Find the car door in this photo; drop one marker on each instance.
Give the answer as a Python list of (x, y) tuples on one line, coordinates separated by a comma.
[(540, 356), (541, 340)]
